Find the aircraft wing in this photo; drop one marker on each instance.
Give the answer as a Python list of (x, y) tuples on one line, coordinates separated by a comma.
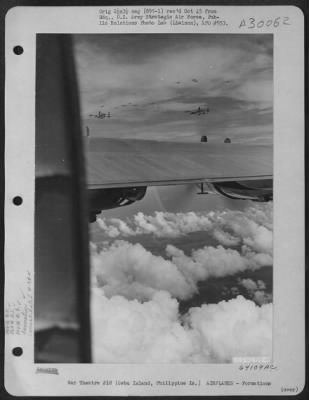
[(130, 162)]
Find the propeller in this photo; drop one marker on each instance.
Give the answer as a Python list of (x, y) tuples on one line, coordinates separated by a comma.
[(184, 198), (176, 198)]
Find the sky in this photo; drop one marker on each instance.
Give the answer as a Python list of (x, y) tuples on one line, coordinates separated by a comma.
[(147, 82), (177, 277)]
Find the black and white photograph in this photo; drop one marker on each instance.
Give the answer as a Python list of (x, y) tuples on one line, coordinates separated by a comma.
[(178, 141), (154, 201), (182, 268)]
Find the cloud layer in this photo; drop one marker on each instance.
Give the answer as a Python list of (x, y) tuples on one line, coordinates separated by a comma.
[(127, 269), (251, 228), (127, 331), (131, 271), (137, 294), (256, 290)]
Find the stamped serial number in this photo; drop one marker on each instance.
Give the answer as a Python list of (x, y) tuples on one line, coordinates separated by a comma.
[(252, 23)]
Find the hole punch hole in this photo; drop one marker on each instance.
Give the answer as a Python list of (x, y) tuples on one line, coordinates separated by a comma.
[(18, 50), (17, 200), (17, 351)]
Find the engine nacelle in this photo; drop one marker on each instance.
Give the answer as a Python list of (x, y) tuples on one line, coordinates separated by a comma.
[(255, 190), (104, 199)]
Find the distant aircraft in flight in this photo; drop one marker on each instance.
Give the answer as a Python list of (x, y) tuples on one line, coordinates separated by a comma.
[(101, 115), (199, 111)]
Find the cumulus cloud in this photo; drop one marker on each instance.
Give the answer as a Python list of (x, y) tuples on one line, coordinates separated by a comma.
[(165, 224), (236, 328), (132, 271), (161, 224), (251, 228), (250, 231), (250, 284), (256, 290), (136, 294), (128, 331), (212, 262), (261, 297)]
